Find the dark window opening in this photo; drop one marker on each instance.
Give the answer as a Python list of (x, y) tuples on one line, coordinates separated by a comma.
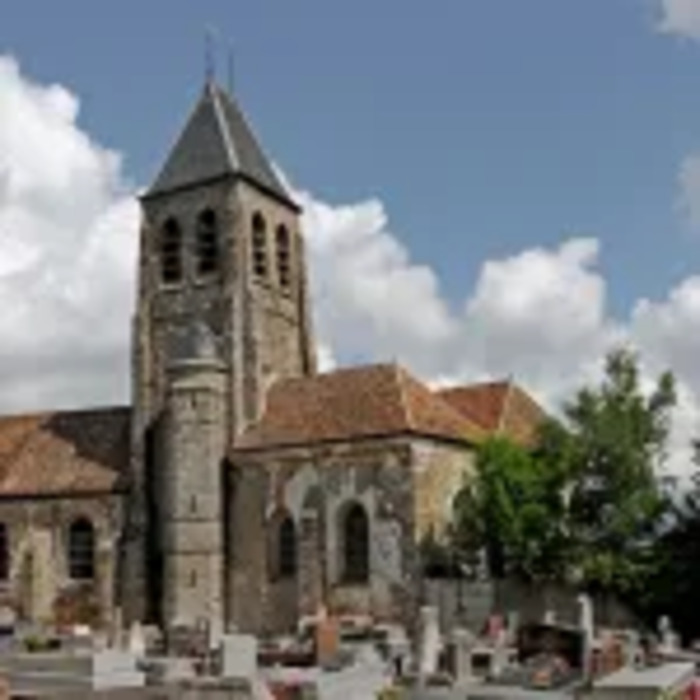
[(283, 265), (171, 252), (207, 243), (259, 246), (287, 549), (81, 550), (356, 545), (4, 553)]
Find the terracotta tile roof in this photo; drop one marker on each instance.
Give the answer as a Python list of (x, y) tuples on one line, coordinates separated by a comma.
[(501, 408), (68, 452), (483, 403), (358, 402)]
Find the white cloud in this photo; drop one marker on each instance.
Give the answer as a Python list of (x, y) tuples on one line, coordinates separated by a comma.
[(540, 315), (67, 252), (67, 263), (369, 297), (681, 17)]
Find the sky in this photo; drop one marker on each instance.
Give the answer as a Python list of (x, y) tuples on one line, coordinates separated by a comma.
[(491, 188)]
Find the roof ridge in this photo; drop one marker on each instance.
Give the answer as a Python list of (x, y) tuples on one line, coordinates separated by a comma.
[(49, 413), (400, 375), (223, 127), (473, 385), (505, 405), (445, 406)]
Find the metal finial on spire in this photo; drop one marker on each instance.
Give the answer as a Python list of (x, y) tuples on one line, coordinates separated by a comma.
[(210, 33), (231, 67)]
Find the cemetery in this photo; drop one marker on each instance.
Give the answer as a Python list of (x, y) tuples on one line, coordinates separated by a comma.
[(257, 523), (354, 659)]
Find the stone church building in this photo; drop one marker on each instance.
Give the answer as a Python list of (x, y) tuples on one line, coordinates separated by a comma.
[(242, 487)]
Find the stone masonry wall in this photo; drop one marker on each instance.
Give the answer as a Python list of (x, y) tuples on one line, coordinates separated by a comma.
[(263, 327), (315, 485), (192, 502), (163, 311), (277, 339), (439, 471), (37, 533)]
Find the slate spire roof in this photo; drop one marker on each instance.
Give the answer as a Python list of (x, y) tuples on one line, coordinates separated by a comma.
[(217, 141)]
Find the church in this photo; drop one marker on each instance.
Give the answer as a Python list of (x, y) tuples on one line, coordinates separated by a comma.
[(242, 488)]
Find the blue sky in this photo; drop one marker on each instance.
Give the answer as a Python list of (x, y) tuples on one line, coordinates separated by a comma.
[(485, 126), (491, 189)]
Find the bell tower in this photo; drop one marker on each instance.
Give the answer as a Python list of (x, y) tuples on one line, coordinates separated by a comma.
[(221, 249)]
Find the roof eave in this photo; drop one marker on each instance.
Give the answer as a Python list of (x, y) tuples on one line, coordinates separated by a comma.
[(62, 494), (157, 193)]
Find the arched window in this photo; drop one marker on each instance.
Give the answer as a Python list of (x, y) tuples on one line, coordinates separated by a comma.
[(207, 243), (171, 252), (355, 535), (4, 553), (287, 549), (282, 248), (81, 550), (259, 246)]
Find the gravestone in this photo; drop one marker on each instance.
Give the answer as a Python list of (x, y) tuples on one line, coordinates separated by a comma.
[(326, 641), (464, 642), (154, 639), (113, 668), (631, 650), (430, 642), (668, 641), (137, 640), (116, 627), (398, 649), (512, 625), (215, 632), (500, 656), (587, 625), (239, 656)]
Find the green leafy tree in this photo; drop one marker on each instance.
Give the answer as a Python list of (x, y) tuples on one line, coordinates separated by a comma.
[(612, 446), (674, 587), (586, 502), (513, 511)]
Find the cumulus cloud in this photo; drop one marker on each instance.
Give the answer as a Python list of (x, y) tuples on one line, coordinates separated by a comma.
[(370, 298), (540, 315), (68, 229), (67, 253), (681, 17)]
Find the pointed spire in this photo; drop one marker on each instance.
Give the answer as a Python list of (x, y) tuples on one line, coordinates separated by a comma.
[(217, 141)]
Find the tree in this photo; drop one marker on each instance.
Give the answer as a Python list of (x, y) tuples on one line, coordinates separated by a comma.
[(586, 502), (674, 587), (513, 510), (612, 445)]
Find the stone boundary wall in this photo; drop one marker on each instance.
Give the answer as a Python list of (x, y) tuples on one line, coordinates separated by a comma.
[(473, 602)]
